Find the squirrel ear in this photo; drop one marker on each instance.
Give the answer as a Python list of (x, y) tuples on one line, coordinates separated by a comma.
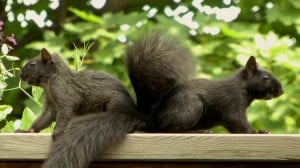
[(251, 66), (45, 55)]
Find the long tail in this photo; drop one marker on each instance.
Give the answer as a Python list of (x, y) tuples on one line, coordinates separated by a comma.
[(155, 65), (87, 137)]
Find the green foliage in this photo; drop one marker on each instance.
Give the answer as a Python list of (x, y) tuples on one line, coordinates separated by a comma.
[(28, 115), (27, 118), (268, 30), (9, 127), (4, 111), (78, 61)]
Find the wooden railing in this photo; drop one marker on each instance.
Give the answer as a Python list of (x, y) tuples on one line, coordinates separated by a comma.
[(167, 150)]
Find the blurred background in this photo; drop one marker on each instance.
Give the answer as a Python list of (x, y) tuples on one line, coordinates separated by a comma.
[(221, 34)]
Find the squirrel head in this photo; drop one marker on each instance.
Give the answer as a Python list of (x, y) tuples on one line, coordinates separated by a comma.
[(260, 84), (39, 69)]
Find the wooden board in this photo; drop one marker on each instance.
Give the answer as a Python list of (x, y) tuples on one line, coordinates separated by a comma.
[(168, 147), (140, 164)]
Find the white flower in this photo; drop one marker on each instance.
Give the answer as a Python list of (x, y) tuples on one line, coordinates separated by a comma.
[(4, 49)]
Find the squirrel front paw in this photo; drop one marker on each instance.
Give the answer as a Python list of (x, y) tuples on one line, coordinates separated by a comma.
[(25, 131), (199, 131), (263, 132), (57, 133)]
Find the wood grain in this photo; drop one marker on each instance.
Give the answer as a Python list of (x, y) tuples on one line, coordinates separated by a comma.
[(168, 147), (140, 164)]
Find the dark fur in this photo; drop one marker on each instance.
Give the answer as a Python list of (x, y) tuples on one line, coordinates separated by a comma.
[(88, 136), (103, 108), (176, 104), (155, 66)]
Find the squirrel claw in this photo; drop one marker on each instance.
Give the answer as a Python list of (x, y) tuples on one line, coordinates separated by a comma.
[(25, 131), (263, 132)]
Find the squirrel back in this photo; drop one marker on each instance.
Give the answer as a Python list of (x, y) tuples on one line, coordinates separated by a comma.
[(84, 88), (158, 69), (155, 65), (93, 110), (203, 103)]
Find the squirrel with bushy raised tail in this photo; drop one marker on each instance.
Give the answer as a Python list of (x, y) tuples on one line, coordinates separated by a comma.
[(159, 70), (167, 99), (92, 110)]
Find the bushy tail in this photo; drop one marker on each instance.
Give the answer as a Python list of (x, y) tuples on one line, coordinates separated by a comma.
[(88, 136), (155, 65)]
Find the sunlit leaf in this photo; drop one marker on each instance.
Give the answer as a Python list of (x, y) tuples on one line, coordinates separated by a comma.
[(36, 92), (12, 58), (4, 111), (284, 14), (3, 85), (8, 128), (296, 4), (27, 118), (4, 49), (90, 17), (290, 121)]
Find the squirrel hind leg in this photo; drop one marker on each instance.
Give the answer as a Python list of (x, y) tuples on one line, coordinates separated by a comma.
[(180, 112)]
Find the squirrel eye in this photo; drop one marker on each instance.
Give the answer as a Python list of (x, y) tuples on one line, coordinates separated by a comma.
[(265, 78), (32, 64)]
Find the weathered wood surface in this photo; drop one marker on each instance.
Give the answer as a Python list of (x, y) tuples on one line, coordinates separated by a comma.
[(168, 147), (140, 164)]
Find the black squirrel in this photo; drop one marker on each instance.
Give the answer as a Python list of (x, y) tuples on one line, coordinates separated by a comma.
[(92, 110), (167, 100), (159, 68)]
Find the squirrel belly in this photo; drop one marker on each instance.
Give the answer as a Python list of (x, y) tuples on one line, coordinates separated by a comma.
[(183, 104)]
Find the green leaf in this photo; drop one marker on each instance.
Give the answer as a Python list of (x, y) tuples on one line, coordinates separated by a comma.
[(4, 111), (12, 58), (290, 121), (284, 13), (27, 118), (9, 127), (96, 34), (296, 4), (3, 85), (73, 28), (37, 93), (86, 16), (4, 49), (239, 31), (52, 42), (117, 19)]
